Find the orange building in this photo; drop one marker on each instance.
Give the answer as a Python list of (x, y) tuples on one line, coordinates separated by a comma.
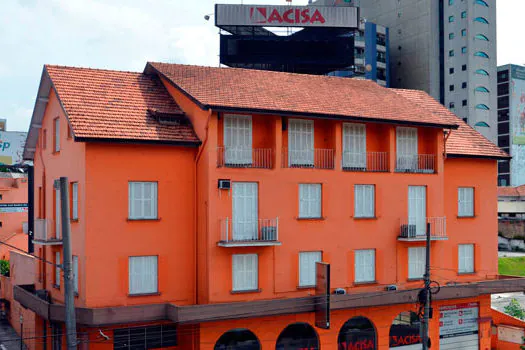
[(13, 212), (202, 198)]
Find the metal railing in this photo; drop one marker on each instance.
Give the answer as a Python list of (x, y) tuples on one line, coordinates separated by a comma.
[(414, 228), (259, 230), (261, 158), (416, 163), (365, 161), (309, 158)]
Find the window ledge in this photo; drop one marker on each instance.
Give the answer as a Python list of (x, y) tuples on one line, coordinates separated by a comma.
[(365, 217), (322, 218), (466, 216), (364, 283), (306, 287), (133, 219), (246, 291), (473, 273), (74, 220), (144, 294)]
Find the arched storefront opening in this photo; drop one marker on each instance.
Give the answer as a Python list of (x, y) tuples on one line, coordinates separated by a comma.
[(357, 333), (298, 336), (238, 339), (404, 332)]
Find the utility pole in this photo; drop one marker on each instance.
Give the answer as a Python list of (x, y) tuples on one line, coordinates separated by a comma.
[(71, 323), (427, 309)]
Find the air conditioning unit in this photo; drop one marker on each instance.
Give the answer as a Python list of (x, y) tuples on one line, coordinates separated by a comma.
[(224, 184), (391, 287), (340, 291), (269, 233)]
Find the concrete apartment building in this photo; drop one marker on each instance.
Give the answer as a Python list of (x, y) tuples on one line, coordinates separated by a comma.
[(202, 198), (446, 48)]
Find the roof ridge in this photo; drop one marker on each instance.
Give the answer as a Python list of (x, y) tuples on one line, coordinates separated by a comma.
[(91, 69)]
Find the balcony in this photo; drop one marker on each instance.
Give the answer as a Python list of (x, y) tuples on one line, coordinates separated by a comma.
[(309, 158), (42, 235), (414, 229), (255, 233), (416, 163), (257, 158), (369, 161)]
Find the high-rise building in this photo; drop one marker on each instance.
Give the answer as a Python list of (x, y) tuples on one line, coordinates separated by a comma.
[(511, 124), (446, 48)]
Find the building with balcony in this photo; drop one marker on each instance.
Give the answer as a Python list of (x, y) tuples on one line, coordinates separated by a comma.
[(202, 199)]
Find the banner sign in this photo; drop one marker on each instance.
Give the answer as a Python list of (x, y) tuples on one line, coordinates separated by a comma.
[(322, 291), (13, 207), (458, 320), (285, 16), (12, 147)]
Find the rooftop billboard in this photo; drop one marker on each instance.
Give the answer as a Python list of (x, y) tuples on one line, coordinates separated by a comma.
[(12, 147)]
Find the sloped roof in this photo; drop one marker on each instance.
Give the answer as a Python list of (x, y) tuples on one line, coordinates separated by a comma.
[(105, 104), (296, 94), (507, 191), (465, 141)]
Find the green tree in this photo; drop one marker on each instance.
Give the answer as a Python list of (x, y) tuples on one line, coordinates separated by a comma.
[(515, 310), (4, 267)]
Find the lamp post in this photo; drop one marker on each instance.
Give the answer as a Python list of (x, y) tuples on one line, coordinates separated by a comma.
[(21, 332)]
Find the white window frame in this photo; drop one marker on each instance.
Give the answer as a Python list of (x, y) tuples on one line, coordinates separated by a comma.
[(300, 142), (417, 209), (416, 262), (238, 139), (310, 201), (74, 200), (75, 273), (58, 214), (57, 134), (245, 201), (466, 258), (245, 272), (465, 201), (57, 269), (148, 276), (354, 146), (406, 148), (365, 265), (137, 205), (307, 267), (364, 201)]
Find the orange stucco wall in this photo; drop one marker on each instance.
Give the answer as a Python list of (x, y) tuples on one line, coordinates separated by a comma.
[(13, 191)]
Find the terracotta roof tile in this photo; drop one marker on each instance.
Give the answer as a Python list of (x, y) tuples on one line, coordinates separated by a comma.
[(294, 93), (106, 104), (465, 141), (507, 191)]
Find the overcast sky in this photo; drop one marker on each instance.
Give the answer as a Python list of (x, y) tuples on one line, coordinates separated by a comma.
[(124, 34)]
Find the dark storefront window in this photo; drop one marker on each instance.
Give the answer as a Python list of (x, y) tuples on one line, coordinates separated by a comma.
[(150, 337), (298, 336), (357, 333), (405, 330), (238, 339)]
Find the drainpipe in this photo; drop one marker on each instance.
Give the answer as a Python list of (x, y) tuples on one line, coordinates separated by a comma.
[(31, 209), (445, 138)]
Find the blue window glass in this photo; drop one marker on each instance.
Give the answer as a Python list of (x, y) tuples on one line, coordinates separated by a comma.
[(464, 14), (464, 49), (482, 106), (463, 32), (482, 124), (481, 37), (481, 2), (450, 2), (482, 72), (481, 89), (451, 53), (481, 20), (451, 36), (481, 54), (450, 19)]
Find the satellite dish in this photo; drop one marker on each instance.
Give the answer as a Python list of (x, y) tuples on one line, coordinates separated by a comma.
[(368, 67)]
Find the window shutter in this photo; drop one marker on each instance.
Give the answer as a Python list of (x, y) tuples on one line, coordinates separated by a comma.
[(365, 265), (307, 265), (354, 145), (58, 216), (406, 141), (244, 272), (143, 200), (466, 258), (310, 197), (57, 134), (74, 196), (416, 262), (75, 273), (57, 269), (238, 139), (364, 201), (300, 142), (465, 201), (143, 274)]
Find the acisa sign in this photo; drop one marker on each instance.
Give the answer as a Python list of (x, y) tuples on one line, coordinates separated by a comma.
[(266, 15)]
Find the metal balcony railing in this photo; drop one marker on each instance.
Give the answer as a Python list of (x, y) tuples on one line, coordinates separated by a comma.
[(416, 163), (261, 158), (258, 232), (42, 234), (309, 158), (414, 229), (365, 161)]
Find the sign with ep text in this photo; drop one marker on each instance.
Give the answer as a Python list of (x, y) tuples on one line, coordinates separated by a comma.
[(12, 147)]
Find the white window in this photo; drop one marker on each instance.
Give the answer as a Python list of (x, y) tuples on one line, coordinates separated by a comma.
[(466, 258), (57, 269), (365, 265), (406, 139), (416, 262), (143, 274), (244, 211), (300, 142), (58, 217), (307, 267), (309, 200), (364, 201), (245, 272), (142, 200), (57, 134), (417, 210), (238, 139), (75, 273), (465, 201), (354, 145), (74, 200)]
